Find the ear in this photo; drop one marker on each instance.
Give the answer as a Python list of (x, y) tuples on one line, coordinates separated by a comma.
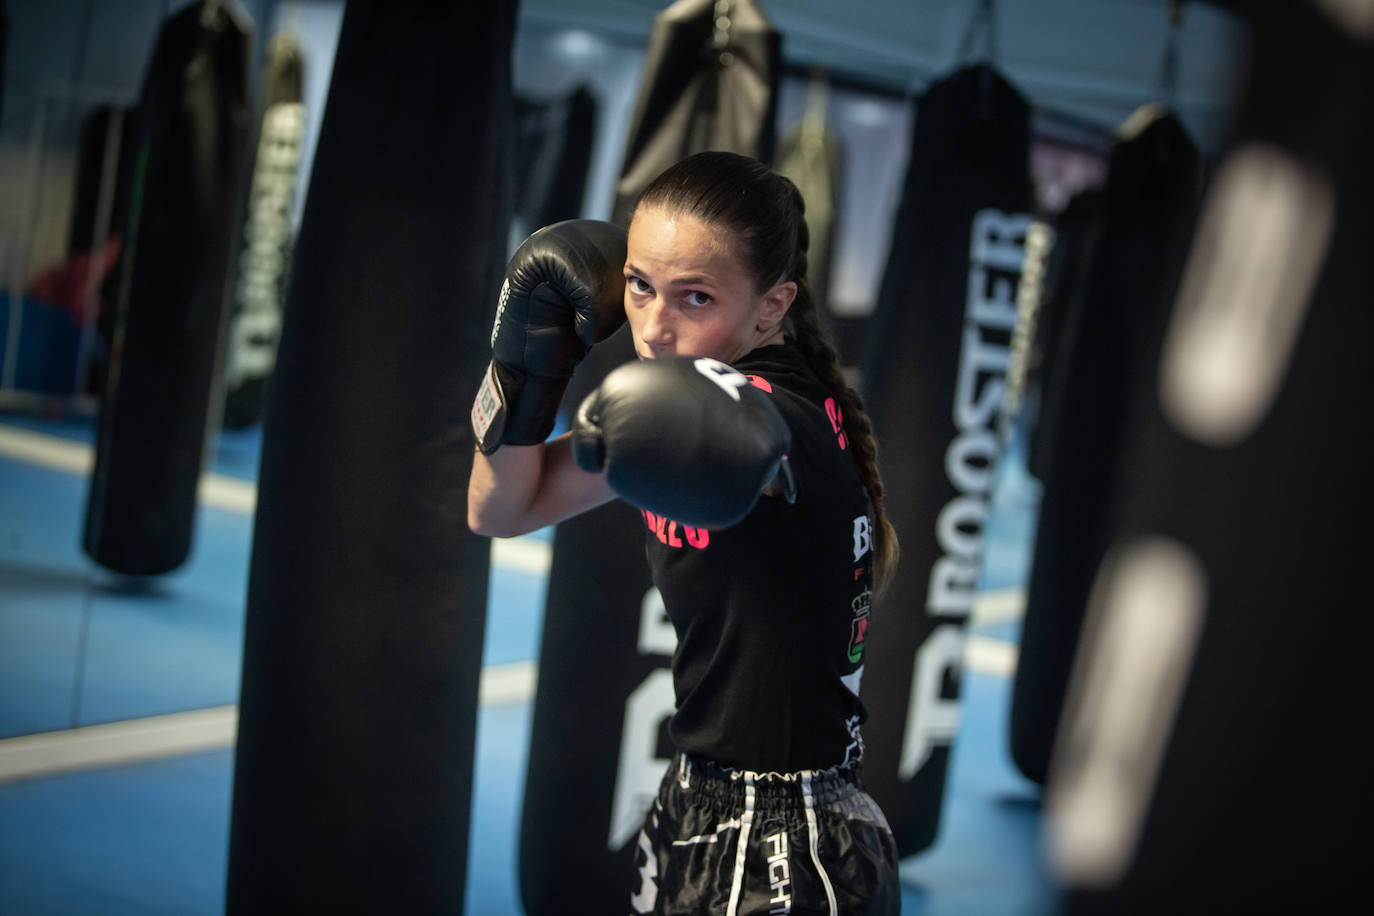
[(776, 302)]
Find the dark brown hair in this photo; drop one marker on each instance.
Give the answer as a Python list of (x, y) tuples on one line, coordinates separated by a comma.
[(766, 213)]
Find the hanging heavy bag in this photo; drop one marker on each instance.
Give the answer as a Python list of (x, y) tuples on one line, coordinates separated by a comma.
[(367, 592), (1108, 337), (933, 381), (1209, 756), (192, 123), (1075, 234)]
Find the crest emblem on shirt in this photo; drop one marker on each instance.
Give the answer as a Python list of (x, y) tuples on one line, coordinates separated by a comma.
[(858, 627)]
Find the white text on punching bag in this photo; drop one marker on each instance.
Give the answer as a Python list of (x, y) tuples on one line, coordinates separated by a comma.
[(256, 322), (996, 254), (640, 768)]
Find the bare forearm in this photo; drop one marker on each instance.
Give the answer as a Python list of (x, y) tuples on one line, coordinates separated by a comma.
[(501, 488), (521, 488)]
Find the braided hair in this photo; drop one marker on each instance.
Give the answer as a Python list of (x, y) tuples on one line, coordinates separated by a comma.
[(766, 214)]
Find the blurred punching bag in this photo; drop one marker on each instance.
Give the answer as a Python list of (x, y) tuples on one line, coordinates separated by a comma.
[(264, 245), (1211, 749), (598, 743), (4, 44), (710, 83), (812, 157), (937, 354), (192, 123), (1109, 336), (553, 149), (367, 593), (1074, 238)]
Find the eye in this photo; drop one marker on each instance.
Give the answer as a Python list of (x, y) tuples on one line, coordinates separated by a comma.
[(697, 298), (638, 286)]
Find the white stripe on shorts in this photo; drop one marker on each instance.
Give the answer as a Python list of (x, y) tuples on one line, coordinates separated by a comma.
[(746, 821), (707, 837), (811, 834)]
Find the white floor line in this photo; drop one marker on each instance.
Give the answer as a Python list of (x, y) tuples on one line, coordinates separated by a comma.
[(157, 737), (132, 741), (990, 656), (523, 554), (51, 452), (55, 453), (508, 684), (230, 494), (998, 606)]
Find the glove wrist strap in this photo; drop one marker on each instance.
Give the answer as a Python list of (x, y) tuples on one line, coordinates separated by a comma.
[(512, 408)]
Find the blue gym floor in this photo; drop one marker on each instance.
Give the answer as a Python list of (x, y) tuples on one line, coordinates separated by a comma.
[(78, 647)]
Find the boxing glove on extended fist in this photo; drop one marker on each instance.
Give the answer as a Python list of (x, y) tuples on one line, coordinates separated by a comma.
[(687, 438), (564, 292)]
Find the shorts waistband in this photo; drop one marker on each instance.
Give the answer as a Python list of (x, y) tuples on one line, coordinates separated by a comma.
[(706, 778)]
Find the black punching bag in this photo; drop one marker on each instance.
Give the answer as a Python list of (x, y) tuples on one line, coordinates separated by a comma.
[(598, 743), (1065, 273), (710, 83), (264, 244), (553, 153), (1211, 756), (933, 371), (1109, 336), (367, 592), (811, 155), (192, 123)]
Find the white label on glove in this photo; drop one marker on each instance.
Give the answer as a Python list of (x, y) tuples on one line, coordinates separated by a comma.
[(486, 405), (728, 379), (500, 309)]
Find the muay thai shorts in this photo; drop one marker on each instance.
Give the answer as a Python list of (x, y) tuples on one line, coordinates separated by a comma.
[(734, 842)]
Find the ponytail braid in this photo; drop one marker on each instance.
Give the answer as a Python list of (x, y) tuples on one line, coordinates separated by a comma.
[(803, 325)]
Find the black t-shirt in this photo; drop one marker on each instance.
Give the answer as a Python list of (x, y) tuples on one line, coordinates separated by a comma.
[(772, 614)]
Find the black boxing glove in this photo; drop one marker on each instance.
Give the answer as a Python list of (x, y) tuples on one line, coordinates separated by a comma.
[(687, 438), (564, 292)]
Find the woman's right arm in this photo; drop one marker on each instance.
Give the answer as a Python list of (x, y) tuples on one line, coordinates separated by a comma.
[(564, 292), (522, 488)]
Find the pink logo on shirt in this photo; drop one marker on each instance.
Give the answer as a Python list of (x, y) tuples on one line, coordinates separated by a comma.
[(666, 530), (832, 410)]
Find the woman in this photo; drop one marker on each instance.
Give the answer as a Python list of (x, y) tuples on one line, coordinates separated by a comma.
[(762, 809)]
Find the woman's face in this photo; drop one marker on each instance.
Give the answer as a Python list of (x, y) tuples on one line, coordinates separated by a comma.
[(687, 294)]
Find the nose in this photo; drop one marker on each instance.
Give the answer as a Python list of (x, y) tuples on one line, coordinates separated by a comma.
[(655, 328)]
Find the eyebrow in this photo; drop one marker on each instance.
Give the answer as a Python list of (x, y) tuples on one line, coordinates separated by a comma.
[(690, 280)]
